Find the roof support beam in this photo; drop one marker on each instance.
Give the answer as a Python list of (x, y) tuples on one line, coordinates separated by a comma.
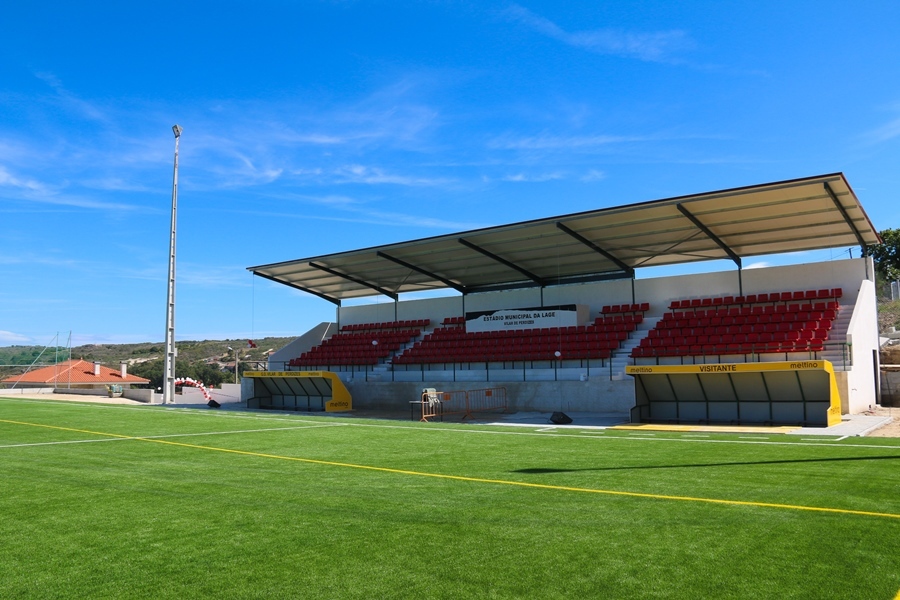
[(356, 280), (846, 215), (709, 234), (596, 248), (298, 287), (502, 261), (403, 263), (499, 287)]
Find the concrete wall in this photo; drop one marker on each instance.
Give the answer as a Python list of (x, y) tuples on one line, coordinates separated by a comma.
[(862, 335), (603, 396), (83, 391), (658, 291), (148, 396), (228, 393), (542, 371), (18, 391)]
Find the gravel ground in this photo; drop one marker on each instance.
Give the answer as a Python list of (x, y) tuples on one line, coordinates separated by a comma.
[(892, 429)]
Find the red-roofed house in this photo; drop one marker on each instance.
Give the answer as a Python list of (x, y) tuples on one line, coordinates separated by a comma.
[(75, 374)]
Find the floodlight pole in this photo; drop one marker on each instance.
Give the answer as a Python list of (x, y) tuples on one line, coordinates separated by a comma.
[(169, 372)]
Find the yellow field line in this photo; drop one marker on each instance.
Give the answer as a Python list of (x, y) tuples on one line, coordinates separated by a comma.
[(524, 484)]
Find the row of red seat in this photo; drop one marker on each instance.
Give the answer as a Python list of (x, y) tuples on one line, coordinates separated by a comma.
[(758, 309), (334, 361), (762, 319), (402, 335), (733, 348), (813, 320), (735, 329), (450, 344), (356, 348), (387, 325), (620, 330), (823, 294), (523, 344), (470, 355), (463, 341), (727, 338), (800, 323), (625, 308)]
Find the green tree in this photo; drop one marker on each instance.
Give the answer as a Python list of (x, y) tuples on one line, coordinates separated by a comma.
[(152, 370), (199, 371), (210, 376), (887, 255)]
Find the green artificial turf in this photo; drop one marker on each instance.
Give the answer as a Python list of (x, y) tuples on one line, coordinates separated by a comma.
[(268, 505)]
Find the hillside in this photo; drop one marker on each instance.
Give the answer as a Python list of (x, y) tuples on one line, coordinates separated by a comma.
[(215, 353)]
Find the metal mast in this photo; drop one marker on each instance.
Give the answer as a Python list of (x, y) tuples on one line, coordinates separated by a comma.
[(169, 372)]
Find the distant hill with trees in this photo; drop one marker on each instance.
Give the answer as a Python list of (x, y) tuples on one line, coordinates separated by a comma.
[(209, 361)]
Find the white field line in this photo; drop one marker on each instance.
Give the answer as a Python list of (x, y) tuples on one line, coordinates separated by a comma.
[(412, 427), (173, 435), (201, 412)]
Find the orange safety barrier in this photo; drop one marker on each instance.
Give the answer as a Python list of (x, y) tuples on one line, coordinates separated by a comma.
[(431, 404), (460, 402)]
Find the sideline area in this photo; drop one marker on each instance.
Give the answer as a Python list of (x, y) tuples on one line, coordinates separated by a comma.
[(850, 425)]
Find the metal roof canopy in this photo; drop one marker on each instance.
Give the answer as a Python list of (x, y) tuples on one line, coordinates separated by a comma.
[(812, 213)]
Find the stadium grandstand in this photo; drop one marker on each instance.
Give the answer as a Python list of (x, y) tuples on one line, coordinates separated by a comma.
[(551, 310)]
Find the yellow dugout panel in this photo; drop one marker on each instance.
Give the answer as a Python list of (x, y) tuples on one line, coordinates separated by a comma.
[(776, 393), (299, 390)]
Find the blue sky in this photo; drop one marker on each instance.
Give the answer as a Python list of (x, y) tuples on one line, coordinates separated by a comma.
[(318, 127)]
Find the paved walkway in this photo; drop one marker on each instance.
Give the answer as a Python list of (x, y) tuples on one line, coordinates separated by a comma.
[(850, 425)]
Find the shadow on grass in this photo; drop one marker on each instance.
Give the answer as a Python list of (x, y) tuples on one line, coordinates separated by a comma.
[(546, 470)]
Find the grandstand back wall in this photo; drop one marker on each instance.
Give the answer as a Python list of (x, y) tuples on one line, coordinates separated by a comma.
[(598, 392)]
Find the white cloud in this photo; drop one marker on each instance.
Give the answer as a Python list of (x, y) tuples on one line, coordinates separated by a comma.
[(656, 46), (9, 180), (10, 337), (884, 133), (533, 178), (758, 265), (553, 142), (593, 175), (376, 175), (70, 101)]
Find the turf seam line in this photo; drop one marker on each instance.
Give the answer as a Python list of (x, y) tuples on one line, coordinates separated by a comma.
[(543, 486), (632, 438), (151, 437), (205, 412), (61, 442)]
